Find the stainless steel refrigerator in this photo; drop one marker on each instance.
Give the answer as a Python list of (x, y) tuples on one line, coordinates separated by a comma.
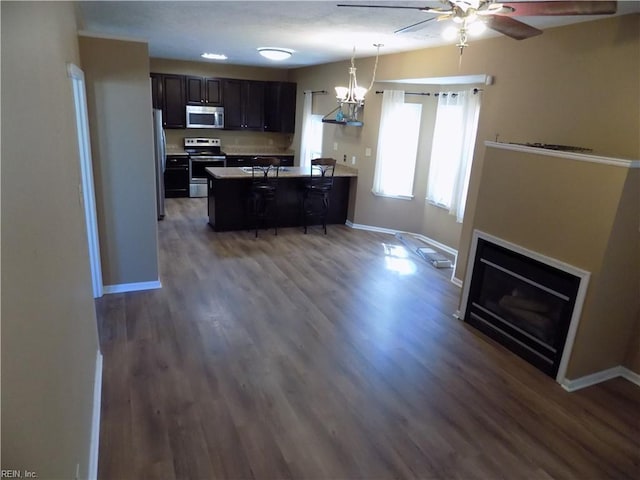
[(160, 152)]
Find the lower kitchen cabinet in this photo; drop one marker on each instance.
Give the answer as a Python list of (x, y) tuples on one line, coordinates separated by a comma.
[(247, 160), (286, 160), (240, 160), (176, 176)]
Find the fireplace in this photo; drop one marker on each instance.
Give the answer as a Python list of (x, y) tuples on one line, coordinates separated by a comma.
[(524, 300)]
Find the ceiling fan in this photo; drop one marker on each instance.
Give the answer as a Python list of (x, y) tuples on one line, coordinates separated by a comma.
[(498, 16)]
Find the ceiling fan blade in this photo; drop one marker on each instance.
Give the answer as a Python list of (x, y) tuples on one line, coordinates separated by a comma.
[(560, 8), (380, 6), (414, 27), (422, 9), (511, 27)]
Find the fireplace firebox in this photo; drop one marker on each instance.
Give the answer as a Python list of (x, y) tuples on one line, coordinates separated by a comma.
[(524, 303)]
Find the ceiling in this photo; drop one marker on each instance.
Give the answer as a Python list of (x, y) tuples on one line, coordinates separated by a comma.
[(318, 31)]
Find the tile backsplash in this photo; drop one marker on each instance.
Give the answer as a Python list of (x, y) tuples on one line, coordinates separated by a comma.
[(231, 138)]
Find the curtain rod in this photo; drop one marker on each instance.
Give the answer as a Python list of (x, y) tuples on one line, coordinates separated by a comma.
[(475, 90), (315, 91)]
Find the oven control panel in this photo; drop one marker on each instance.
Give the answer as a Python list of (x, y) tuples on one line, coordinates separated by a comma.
[(201, 142)]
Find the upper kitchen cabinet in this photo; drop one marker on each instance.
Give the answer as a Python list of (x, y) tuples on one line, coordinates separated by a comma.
[(203, 91), (243, 104), (280, 107), (156, 90), (168, 94)]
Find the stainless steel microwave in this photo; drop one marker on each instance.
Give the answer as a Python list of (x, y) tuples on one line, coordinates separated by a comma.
[(205, 117)]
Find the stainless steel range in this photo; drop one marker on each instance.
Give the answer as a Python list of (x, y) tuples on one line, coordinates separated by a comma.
[(203, 153)]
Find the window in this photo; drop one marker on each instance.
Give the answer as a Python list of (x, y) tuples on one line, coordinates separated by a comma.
[(315, 142), (454, 139), (311, 141), (397, 146)]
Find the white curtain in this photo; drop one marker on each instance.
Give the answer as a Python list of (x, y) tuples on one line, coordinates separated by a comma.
[(397, 145), (306, 141), (454, 139)]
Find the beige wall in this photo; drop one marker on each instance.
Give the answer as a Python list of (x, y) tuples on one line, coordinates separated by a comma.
[(119, 102), (49, 337), (632, 360), (572, 85), (584, 214)]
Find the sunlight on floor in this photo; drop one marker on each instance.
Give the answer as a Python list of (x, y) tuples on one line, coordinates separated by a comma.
[(397, 260)]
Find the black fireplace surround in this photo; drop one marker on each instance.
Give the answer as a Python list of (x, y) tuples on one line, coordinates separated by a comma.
[(524, 304)]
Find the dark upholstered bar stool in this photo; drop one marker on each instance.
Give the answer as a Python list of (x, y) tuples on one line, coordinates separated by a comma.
[(263, 192), (315, 198)]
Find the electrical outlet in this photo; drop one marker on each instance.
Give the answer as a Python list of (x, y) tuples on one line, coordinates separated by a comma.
[(344, 157)]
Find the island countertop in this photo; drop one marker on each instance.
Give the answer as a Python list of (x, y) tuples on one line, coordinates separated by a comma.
[(285, 172)]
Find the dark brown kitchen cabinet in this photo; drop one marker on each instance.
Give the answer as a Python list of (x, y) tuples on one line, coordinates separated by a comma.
[(173, 109), (247, 160), (240, 160), (156, 90), (203, 91), (280, 107), (176, 176), (243, 104), (286, 160)]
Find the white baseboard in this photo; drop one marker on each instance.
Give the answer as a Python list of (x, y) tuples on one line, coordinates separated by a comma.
[(371, 228), (132, 287), (630, 375), (599, 377), (429, 241), (424, 238), (95, 421)]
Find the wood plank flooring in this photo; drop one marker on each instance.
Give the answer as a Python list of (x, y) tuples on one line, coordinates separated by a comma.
[(310, 357)]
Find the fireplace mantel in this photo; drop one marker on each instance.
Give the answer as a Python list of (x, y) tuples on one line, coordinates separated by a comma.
[(581, 157)]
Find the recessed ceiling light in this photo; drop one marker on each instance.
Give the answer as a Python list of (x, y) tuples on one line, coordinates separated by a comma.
[(214, 56), (273, 53)]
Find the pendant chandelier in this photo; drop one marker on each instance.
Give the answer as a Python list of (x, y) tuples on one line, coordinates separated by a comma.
[(351, 98)]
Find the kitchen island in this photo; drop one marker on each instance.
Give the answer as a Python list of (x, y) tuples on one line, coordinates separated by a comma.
[(228, 189)]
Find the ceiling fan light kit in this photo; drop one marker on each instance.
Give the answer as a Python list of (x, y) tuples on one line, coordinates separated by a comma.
[(498, 16)]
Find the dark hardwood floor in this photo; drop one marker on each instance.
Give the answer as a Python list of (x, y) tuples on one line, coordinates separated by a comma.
[(310, 357)]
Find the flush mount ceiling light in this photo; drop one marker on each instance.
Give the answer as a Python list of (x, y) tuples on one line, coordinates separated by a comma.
[(273, 53), (214, 56)]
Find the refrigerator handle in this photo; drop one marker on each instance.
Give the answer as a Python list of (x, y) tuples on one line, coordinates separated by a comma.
[(164, 150)]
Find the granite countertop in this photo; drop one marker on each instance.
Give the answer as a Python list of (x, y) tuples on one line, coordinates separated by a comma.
[(285, 172)]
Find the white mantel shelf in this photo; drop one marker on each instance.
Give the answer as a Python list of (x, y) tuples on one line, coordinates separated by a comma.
[(581, 157)]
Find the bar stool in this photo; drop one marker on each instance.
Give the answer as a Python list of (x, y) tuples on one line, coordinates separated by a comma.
[(315, 199), (262, 198)]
